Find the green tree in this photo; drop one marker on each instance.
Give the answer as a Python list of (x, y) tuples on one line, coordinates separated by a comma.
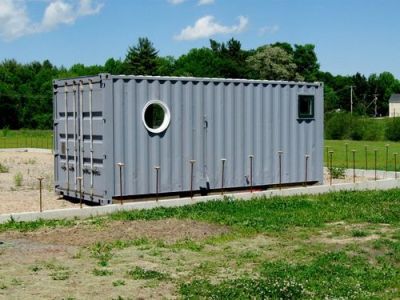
[(142, 58), (381, 86), (229, 59), (273, 63), (113, 66), (200, 62), (285, 46), (165, 66), (306, 60)]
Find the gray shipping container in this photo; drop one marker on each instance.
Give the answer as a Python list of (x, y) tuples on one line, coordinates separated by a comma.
[(146, 123)]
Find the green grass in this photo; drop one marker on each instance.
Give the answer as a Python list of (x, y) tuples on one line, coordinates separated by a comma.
[(139, 273), (339, 154), (276, 249), (283, 213), (258, 215), (332, 275), (25, 138)]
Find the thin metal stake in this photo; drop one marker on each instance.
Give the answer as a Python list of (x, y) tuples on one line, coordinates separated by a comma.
[(157, 181), (40, 193), (80, 191), (251, 172), (327, 156), (280, 169), (120, 165), (306, 171), (387, 156), (375, 152), (192, 162), (347, 155), (223, 160), (330, 166), (366, 157), (354, 165), (395, 165)]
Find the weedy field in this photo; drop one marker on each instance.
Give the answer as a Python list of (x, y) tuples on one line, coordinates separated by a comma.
[(335, 246), (364, 154), (26, 138)]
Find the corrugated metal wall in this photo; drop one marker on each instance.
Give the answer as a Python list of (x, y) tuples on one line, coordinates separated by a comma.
[(210, 120)]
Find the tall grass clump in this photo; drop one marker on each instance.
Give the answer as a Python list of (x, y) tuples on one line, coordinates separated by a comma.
[(18, 178), (337, 126), (393, 130), (3, 168), (5, 131), (341, 125)]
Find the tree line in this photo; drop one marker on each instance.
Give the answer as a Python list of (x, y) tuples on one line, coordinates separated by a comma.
[(26, 89)]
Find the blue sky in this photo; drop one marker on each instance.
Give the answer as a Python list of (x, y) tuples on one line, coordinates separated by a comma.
[(350, 35)]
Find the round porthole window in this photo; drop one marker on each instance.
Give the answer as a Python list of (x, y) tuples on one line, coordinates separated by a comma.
[(156, 116)]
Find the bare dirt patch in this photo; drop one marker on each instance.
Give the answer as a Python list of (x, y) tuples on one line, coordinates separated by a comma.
[(19, 187), (340, 233), (55, 263), (170, 231)]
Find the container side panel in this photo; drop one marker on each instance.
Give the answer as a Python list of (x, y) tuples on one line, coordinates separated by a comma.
[(211, 121)]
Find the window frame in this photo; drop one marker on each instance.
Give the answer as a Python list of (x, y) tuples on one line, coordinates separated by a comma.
[(303, 116), (167, 116)]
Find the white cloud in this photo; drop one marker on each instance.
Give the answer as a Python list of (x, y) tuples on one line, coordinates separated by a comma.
[(207, 26), (15, 21), (58, 12), (63, 12), (86, 8), (205, 2), (268, 30)]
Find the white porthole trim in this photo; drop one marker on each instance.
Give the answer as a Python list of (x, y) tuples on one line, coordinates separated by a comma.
[(167, 116)]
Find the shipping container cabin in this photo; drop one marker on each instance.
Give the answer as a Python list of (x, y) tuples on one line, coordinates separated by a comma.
[(138, 136)]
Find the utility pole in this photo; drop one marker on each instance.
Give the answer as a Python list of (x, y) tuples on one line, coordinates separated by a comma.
[(351, 99), (376, 104)]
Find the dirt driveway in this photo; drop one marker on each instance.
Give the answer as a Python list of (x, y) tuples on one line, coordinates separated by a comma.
[(19, 187), (87, 262)]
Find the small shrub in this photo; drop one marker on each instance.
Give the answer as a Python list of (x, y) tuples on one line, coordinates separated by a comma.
[(5, 131), (18, 178), (60, 275), (3, 168), (337, 172), (373, 130), (140, 273), (16, 281), (102, 272), (359, 233), (338, 126), (30, 161), (188, 244), (357, 131), (102, 252), (393, 130), (36, 268), (118, 282)]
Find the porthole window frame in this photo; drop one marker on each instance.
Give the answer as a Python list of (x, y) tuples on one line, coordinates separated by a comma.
[(167, 116)]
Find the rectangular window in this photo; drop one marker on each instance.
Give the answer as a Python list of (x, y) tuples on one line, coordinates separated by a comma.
[(306, 106)]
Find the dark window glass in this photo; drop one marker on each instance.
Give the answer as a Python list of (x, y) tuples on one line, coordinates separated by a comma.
[(154, 116), (306, 106)]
